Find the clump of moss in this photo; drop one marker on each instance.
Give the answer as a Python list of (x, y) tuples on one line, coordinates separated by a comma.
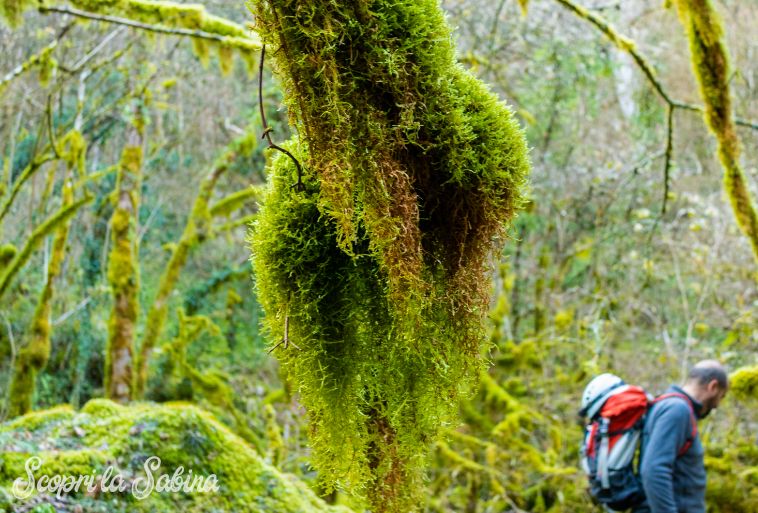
[(104, 433), (744, 382), (379, 267)]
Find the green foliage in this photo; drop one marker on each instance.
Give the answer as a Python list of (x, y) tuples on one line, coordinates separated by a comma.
[(104, 433), (196, 230), (379, 267)]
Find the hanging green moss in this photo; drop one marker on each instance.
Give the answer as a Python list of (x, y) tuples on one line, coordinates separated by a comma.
[(34, 355), (379, 268), (123, 277), (8, 273), (710, 62)]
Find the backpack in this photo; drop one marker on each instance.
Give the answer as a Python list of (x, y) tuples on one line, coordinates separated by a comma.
[(616, 413)]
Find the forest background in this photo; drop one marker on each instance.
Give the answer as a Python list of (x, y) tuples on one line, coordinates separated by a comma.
[(628, 257)]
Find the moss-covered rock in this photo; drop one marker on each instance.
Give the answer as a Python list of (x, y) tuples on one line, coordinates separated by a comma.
[(106, 434)]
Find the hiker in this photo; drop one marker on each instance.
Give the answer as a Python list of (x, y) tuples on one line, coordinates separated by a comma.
[(671, 466)]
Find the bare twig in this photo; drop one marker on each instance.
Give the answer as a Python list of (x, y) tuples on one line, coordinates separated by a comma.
[(107, 39), (71, 312), (667, 160), (285, 341), (299, 186)]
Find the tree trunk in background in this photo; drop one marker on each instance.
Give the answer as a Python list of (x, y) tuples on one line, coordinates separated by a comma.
[(123, 275), (33, 358)]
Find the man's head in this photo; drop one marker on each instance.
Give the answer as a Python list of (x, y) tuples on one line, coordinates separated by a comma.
[(707, 382)]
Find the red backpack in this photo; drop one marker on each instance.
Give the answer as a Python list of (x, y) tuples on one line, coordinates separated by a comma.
[(612, 440)]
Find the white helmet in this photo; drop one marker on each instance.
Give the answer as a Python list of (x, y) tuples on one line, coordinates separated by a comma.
[(597, 391)]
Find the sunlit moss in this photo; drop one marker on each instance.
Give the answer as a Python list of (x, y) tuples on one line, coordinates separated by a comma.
[(379, 268)]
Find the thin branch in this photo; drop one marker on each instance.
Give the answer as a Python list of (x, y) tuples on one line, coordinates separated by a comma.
[(71, 312), (36, 58), (299, 186), (667, 160), (107, 39)]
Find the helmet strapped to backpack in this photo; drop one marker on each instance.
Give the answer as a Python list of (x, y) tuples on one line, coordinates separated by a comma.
[(616, 413)]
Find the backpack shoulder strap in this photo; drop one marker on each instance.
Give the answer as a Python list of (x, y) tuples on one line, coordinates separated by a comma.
[(693, 421)]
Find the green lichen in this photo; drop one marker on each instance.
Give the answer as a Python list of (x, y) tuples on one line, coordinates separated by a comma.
[(104, 433), (379, 267)]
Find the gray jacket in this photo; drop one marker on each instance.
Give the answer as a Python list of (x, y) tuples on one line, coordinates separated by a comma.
[(672, 483)]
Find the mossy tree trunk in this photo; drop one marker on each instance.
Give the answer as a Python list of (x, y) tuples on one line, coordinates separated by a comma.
[(710, 62), (34, 356), (123, 274)]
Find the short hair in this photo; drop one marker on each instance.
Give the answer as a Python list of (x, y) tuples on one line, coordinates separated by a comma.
[(705, 372)]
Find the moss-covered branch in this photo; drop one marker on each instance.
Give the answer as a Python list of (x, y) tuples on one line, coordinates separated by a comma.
[(627, 45), (33, 357), (234, 201), (27, 173), (35, 239), (210, 385), (228, 34), (195, 231), (123, 276), (42, 60), (710, 62)]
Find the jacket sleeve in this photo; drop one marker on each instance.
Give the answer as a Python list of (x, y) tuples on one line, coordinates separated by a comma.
[(666, 436)]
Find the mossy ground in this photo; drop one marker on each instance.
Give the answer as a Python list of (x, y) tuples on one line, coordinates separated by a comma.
[(104, 433)]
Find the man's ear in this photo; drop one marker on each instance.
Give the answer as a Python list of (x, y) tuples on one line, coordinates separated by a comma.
[(713, 386)]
